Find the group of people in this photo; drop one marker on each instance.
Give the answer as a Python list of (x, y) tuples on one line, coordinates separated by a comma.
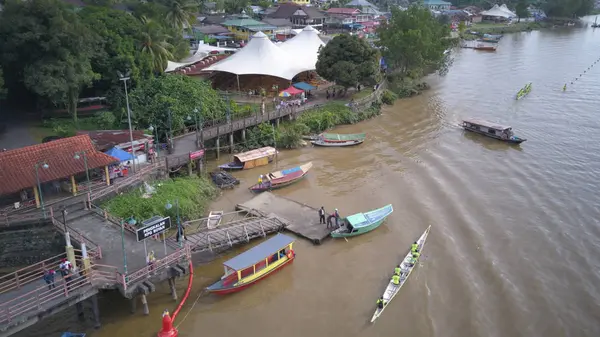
[(399, 273), (335, 215), (65, 268)]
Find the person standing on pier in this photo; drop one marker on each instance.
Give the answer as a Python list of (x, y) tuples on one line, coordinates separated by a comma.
[(337, 218), (49, 278), (321, 215)]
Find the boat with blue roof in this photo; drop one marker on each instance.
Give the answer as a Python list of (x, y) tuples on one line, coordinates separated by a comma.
[(255, 264), (362, 223)]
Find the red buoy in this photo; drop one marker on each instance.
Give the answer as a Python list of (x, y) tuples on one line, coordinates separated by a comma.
[(167, 326)]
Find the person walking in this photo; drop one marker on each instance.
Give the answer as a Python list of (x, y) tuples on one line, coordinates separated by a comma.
[(49, 278), (321, 215)]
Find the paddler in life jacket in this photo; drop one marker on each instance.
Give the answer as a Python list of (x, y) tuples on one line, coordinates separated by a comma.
[(414, 247), (414, 258), (397, 270), (380, 303), (260, 179), (396, 279)]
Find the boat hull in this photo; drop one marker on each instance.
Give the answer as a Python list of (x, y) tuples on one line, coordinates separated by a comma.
[(515, 140), (259, 189), (233, 166), (360, 231), (337, 144), (235, 289)]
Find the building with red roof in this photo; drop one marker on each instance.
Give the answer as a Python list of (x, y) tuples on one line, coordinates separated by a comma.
[(54, 160)]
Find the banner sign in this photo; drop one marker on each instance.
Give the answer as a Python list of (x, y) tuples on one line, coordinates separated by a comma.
[(196, 154), (154, 228)]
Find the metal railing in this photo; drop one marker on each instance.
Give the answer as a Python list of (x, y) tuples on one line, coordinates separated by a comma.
[(94, 250), (119, 184)]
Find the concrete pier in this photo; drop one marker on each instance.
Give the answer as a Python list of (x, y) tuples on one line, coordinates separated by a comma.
[(95, 311), (173, 290), (133, 302), (301, 219), (145, 304)]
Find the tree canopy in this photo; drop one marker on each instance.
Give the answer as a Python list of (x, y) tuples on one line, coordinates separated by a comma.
[(348, 60), (413, 40), (2, 88), (521, 10), (567, 8)]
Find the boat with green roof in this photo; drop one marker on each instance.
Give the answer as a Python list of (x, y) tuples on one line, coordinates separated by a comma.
[(361, 223)]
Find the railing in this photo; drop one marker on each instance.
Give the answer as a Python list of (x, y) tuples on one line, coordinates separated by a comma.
[(127, 181), (374, 95), (94, 250), (43, 298), (158, 266)]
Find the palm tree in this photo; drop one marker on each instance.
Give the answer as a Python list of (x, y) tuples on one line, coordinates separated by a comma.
[(181, 13), (154, 43)]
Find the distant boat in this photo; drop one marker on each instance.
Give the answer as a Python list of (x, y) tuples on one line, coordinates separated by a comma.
[(255, 264), (493, 130), (485, 47), (524, 91), (282, 178), (361, 223), (321, 142), (595, 24), (340, 138), (72, 334), (251, 159)]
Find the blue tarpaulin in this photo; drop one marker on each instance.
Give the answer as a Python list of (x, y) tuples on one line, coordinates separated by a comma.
[(304, 86), (119, 154)]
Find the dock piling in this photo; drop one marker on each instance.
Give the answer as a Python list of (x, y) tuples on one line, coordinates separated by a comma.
[(173, 290), (231, 142), (217, 147), (145, 304), (95, 311), (80, 313), (133, 302)]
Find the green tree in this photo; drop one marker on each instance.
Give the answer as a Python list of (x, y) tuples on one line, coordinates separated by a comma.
[(152, 98), (2, 88), (49, 48), (153, 43), (521, 10), (348, 60), (235, 6), (462, 27), (119, 33), (180, 13), (413, 40), (567, 8)]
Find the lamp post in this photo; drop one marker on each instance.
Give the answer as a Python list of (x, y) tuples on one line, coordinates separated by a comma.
[(39, 185), (168, 206), (77, 156), (170, 136), (196, 112), (124, 78), (123, 246)]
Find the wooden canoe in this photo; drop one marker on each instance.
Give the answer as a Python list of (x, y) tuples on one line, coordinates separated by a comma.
[(282, 178), (337, 144)]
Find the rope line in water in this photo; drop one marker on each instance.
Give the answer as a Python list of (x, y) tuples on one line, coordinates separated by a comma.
[(191, 308), (580, 75)]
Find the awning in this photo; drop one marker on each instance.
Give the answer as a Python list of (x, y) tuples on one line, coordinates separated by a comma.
[(304, 86), (292, 91), (119, 154)]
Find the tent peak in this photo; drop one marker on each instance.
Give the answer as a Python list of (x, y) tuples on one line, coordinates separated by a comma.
[(260, 35)]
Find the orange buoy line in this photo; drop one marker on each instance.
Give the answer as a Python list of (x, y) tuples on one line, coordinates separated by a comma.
[(168, 330), (578, 77)]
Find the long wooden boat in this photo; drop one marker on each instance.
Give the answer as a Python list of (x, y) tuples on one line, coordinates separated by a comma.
[(321, 142), (311, 137), (282, 178), (255, 264), (492, 130), (406, 269), (524, 91), (484, 47), (362, 223), (251, 159), (214, 219), (341, 138)]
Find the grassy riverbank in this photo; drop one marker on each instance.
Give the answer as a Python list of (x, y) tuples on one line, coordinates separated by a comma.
[(194, 195), (502, 28)]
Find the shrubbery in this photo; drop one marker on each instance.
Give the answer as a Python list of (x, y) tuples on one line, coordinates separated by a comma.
[(388, 97), (63, 127)]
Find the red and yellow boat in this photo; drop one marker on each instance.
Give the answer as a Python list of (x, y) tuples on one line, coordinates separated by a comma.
[(255, 264)]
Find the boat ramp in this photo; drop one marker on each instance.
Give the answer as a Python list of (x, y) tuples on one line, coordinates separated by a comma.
[(301, 219)]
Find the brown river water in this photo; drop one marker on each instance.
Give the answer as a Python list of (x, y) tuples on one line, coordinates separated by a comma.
[(514, 248)]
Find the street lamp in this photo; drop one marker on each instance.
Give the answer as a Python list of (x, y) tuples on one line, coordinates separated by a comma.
[(83, 154), (151, 128), (124, 78), (170, 136), (39, 185), (123, 246), (168, 206)]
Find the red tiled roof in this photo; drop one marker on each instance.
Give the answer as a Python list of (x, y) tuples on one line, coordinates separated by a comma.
[(107, 139), (347, 11), (17, 167)]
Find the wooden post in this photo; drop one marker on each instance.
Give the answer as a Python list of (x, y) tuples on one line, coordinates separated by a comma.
[(189, 167), (107, 175), (244, 134), (173, 290), (36, 195), (217, 145), (231, 142), (73, 185)]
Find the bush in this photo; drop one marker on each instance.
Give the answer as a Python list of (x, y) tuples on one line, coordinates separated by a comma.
[(66, 127), (193, 195), (388, 97)]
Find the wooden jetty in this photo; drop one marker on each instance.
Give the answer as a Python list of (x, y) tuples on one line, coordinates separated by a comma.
[(301, 219)]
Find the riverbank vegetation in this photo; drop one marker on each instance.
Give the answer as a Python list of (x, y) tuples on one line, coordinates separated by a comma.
[(413, 42), (192, 193)]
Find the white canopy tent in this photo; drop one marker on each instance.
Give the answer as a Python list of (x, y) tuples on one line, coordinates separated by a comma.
[(304, 48), (508, 11), (496, 11), (202, 52), (259, 57)]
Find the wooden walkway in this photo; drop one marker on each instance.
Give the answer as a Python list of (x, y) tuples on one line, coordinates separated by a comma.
[(301, 219)]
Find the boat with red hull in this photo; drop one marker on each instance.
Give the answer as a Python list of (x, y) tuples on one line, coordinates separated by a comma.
[(255, 265)]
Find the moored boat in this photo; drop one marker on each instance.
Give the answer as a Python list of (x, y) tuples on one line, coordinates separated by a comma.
[(406, 268), (310, 137), (341, 138), (485, 47), (321, 142), (214, 219), (361, 223), (493, 130), (73, 334), (255, 264), (251, 159), (279, 179)]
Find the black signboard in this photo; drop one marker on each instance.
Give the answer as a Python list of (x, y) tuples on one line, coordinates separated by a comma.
[(153, 228)]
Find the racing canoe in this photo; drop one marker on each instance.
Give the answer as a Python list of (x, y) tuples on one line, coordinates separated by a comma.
[(392, 289)]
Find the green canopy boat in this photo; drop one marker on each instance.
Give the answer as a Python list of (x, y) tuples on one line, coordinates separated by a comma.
[(361, 223), (336, 137)]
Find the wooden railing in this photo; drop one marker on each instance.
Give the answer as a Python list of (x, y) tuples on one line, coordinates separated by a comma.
[(123, 183)]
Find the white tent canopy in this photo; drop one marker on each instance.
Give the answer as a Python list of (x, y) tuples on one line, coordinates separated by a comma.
[(507, 11), (304, 48), (497, 11), (259, 57), (202, 52)]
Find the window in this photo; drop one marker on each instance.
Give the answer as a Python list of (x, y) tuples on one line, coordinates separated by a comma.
[(492, 131)]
